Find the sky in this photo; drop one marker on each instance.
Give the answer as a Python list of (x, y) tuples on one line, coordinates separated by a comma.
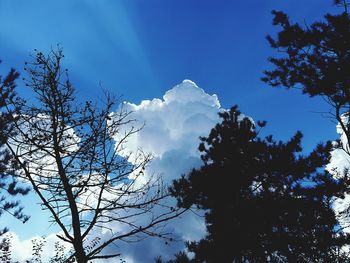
[(141, 49)]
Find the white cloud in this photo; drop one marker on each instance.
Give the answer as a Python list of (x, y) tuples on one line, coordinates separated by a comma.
[(171, 134), (35, 155), (174, 123), (340, 161), (22, 250)]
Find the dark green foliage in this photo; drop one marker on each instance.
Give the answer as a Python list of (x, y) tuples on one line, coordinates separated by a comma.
[(315, 58), (180, 257), (8, 183), (264, 201)]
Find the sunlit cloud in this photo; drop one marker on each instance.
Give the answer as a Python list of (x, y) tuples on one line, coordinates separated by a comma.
[(173, 125)]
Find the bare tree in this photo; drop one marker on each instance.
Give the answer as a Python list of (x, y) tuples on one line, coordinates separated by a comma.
[(82, 175)]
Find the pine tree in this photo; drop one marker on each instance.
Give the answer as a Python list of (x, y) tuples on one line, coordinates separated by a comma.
[(9, 186), (315, 59), (263, 200)]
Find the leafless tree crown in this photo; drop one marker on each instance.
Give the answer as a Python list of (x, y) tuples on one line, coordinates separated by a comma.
[(75, 159)]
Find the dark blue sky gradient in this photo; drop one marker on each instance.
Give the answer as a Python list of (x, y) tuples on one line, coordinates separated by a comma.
[(141, 48)]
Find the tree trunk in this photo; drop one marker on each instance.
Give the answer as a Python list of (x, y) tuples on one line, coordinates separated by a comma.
[(79, 252)]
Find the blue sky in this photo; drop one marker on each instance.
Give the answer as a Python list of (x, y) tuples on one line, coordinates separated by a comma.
[(141, 48)]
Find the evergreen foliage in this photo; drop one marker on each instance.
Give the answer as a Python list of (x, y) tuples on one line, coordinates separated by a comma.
[(315, 59), (264, 201), (9, 186)]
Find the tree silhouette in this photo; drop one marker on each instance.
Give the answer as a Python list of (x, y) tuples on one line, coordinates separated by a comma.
[(180, 257), (342, 3), (315, 58), (263, 200), (86, 179), (9, 186)]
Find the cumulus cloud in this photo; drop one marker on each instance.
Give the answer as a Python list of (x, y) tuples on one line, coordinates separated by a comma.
[(172, 127), (339, 163), (175, 122), (340, 159)]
